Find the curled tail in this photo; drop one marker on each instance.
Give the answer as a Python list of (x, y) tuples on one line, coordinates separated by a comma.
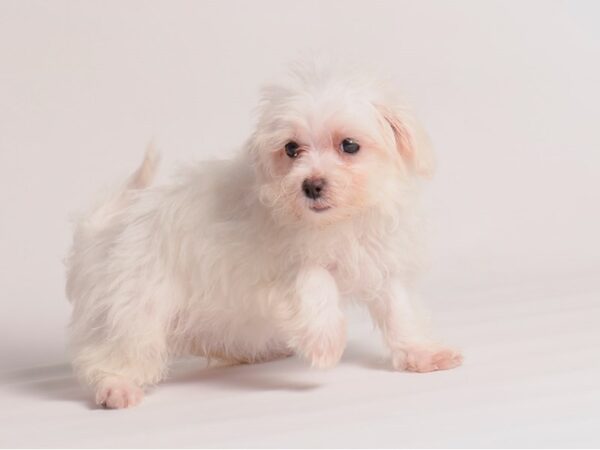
[(100, 216)]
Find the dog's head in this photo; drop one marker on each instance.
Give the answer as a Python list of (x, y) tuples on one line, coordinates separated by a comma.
[(329, 147)]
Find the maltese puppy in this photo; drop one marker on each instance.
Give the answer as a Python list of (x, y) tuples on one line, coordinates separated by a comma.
[(254, 258)]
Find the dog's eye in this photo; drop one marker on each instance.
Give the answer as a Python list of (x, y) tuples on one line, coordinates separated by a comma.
[(291, 149), (348, 145)]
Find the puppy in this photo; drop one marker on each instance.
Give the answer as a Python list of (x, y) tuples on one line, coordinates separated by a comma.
[(254, 258)]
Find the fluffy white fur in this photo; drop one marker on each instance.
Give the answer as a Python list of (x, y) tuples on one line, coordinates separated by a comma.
[(234, 262)]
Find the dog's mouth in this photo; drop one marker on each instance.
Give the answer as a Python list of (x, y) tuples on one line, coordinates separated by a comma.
[(319, 208)]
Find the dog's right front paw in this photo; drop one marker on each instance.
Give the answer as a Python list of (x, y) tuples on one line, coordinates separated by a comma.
[(118, 393), (323, 348)]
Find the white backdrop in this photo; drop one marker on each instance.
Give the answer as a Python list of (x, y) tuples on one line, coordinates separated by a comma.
[(509, 91)]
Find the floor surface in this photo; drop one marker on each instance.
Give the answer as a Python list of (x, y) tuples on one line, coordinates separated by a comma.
[(530, 378)]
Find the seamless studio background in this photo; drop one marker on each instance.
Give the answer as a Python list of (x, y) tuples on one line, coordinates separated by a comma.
[(510, 96)]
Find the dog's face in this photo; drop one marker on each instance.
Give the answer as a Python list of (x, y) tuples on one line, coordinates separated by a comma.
[(327, 151)]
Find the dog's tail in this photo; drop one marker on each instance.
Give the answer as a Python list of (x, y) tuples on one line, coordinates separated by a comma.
[(144, 175), (103, 213)]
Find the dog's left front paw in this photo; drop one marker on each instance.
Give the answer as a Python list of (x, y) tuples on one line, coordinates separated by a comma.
[(425, 358)]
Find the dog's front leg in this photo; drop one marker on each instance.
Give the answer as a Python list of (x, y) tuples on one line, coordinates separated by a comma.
[(406, 334), (317, 326)]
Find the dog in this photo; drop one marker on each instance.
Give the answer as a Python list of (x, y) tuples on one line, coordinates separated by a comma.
[(254, 258)]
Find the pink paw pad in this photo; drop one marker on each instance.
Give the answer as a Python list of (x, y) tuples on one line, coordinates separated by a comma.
[(427, 359)]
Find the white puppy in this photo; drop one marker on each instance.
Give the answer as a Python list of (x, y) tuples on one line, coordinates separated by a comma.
[(254, 258)]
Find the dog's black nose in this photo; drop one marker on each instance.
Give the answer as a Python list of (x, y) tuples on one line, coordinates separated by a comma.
[(313, 187)]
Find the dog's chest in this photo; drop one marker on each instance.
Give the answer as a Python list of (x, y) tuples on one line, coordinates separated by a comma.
[(360, 266)]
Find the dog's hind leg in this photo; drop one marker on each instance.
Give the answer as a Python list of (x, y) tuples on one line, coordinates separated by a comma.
[(119, 339), (118, 369)]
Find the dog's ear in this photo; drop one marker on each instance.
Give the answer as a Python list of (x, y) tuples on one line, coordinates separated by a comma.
[(411, 140)]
